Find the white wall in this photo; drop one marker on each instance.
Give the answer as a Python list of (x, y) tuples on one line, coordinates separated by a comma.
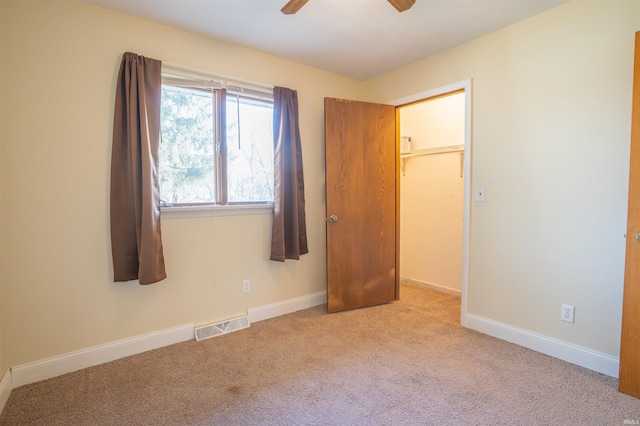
[(551, 133), (431, 188), (59, 65)]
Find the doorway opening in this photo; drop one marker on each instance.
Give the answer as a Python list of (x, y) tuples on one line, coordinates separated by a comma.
[(435, 161)]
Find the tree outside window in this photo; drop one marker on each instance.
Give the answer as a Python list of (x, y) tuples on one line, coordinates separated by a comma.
[(189, 153)]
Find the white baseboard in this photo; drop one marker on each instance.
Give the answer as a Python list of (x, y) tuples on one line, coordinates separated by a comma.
[(51, 367), (584, 357), (5, 389), (431, 285), (288, 306), (73, 361)]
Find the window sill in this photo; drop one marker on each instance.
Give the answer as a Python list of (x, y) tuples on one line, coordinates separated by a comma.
[(213, 211)]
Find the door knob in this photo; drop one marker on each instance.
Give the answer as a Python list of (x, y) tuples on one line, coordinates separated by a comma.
[(637, 236), (334, 218)]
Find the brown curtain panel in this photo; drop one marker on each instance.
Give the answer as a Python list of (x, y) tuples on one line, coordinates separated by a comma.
[(136, 240), (289, 232)]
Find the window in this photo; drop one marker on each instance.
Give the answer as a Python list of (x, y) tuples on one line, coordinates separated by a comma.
[(217, 144), (249, 150)]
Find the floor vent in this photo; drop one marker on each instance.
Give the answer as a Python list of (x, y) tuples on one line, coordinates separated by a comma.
[(223, 327)]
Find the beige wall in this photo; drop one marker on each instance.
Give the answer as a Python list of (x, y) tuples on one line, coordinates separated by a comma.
[(435, 123), (551, 131), (59, 65), (431, 188), (551, 104)]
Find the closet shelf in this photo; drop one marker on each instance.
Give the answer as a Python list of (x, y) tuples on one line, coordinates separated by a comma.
[(431, 151)]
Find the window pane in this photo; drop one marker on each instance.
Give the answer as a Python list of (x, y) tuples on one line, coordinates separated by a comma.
[(187, 153), (249, 162)]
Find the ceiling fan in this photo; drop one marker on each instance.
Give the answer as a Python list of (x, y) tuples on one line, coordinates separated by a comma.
[(294, 5)]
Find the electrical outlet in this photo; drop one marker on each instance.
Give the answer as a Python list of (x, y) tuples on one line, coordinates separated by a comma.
[(246, 286), (567, 313)]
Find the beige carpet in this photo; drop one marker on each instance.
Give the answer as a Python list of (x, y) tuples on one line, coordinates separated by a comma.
[(405, 363)]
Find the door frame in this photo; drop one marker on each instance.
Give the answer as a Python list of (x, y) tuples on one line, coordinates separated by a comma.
[(466, 86)]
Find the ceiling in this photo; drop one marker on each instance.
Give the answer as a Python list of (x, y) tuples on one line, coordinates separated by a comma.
[(355, 38)]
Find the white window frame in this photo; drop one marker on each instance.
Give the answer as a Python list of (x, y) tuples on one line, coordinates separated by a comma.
[(233, 86)]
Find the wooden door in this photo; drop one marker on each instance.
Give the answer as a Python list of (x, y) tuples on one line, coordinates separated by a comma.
[(629, 381), (362, 204)]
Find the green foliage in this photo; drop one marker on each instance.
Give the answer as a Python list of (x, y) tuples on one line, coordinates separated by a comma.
[(187, 150)]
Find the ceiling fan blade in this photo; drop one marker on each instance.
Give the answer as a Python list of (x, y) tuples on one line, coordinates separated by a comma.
[(402, 5), (293, 6)]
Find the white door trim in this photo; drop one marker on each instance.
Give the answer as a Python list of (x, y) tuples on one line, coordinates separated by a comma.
[(465, 85)]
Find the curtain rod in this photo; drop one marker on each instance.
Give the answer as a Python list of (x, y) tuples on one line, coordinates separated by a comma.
[(220, 79)]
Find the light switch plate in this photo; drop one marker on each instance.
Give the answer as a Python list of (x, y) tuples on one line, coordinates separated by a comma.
[(479, 194)]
